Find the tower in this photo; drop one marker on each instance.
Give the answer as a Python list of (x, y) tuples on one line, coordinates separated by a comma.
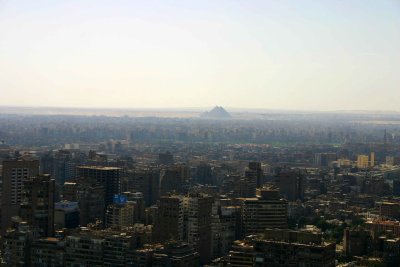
[(169, 219), (15, 173), (173, 179), (362, 161), (372, 161), (198, 209), (267, 210), (254, 169), (37, 206), (108, 177), (146, 181), (291, 185)]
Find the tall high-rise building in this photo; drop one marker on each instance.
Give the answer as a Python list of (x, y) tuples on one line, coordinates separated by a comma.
[(15, 173), (254, 170), (267, 210), (169, 219), (108, 177), (246, 186), (198, 210), (91, 201), (372, 161), (291, 184), (37, 206), (146, 181), (225, 226), (172, 179), (362, 161)]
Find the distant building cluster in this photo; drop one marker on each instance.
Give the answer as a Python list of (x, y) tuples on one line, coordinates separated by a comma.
[(152, 202)]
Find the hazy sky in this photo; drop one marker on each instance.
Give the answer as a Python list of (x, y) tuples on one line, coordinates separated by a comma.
[(310, 55)]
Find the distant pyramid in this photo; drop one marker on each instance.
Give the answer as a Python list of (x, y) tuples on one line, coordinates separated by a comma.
[(216, 113)]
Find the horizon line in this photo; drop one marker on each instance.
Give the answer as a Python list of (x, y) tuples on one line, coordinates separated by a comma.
[(202, 109)]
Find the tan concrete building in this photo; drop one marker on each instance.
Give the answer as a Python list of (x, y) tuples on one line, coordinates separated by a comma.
[(120, 215), (362, 161), (267, 210)]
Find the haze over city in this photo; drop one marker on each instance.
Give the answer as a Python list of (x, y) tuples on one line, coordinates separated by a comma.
[(296, 55), (223, 133)]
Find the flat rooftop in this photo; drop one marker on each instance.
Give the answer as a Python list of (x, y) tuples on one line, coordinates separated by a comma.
[(103, 168)]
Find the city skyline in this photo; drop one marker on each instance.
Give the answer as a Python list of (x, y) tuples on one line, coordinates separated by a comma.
[(199, 133), (266, 55)]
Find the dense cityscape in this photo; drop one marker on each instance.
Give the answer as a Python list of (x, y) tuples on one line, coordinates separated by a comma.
[(218, 189), (223, 133)]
